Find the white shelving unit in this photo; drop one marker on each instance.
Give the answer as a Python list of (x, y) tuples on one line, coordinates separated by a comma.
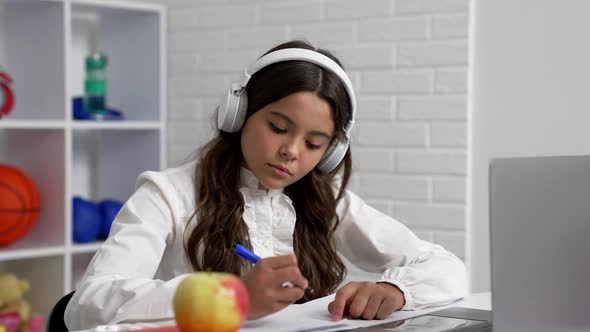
[(42, 46)]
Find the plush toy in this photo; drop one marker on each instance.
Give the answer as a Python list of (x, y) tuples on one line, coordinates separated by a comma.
[(15, 312)]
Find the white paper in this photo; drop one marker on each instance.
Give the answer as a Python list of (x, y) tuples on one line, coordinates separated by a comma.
[(313, 316)]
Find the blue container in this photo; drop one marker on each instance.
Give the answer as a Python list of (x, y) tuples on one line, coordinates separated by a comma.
[(109, 209), (86, 220)]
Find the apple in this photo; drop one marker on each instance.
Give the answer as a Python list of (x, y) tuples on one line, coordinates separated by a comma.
[(210, 301)]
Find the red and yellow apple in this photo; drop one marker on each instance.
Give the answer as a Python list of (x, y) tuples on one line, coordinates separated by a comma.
[(210, 301)]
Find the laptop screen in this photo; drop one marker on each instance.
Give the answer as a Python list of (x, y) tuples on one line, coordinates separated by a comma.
[(540, 243)]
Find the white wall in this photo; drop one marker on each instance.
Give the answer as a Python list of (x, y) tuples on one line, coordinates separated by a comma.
[(407, 60), (1, 40), (529, 82)]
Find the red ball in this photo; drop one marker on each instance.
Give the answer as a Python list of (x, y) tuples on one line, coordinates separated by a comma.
[(19, 204)]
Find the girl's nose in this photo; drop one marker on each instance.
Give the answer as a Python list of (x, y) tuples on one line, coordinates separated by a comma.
[(288, 150)]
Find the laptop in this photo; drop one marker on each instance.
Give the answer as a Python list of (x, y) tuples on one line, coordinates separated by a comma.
[(540, 252)]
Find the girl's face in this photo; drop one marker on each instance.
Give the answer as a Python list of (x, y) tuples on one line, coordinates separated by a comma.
[(286, 139)]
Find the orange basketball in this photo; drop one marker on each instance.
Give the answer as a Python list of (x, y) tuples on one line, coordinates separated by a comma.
[(19, 204)]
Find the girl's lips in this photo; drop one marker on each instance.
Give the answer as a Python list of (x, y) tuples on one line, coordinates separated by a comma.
[(280, 171)]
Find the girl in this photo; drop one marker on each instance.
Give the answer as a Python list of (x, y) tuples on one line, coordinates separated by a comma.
[(273, 179)]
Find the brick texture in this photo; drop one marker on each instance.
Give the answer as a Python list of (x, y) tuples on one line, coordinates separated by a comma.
[(407, 60)]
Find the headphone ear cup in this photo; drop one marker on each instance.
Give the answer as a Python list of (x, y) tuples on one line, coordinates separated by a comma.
[(232, 109), (332, 157), (242, 109)]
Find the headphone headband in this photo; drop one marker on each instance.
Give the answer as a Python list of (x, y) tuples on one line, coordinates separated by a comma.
[(234, 105), (301, 54)]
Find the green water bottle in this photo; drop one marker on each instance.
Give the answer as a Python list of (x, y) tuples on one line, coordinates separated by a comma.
[(95, 84)]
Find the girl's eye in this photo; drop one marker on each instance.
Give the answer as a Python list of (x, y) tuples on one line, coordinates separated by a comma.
[(312, 146), (277, 129)]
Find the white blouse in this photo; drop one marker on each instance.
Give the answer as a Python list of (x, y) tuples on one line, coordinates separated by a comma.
[(134, 274)]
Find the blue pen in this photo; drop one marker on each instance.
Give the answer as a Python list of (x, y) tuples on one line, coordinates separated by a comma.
[(246, 254), (251, 257)]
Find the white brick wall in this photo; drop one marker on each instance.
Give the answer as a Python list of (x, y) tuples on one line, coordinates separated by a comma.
[(1, 39), (407, 60)]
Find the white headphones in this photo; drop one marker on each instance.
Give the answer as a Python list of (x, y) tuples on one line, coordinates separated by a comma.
[(233, 107)]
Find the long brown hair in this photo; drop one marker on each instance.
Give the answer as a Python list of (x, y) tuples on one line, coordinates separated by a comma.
[(219, 204)]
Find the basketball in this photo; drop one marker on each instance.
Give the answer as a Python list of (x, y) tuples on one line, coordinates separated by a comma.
[(19, 204)]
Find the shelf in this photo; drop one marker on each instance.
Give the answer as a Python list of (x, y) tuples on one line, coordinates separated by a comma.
[(107, 162), (31, 124), (47, 278), (79, 264), (116, 125), (86, 248), (40, 154), (14, 253), (134, 70), (66, 157), (115, 6), (79, 124), (36, 67)]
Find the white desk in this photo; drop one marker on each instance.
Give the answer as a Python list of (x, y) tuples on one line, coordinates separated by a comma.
[(481, 301), (314, 316)]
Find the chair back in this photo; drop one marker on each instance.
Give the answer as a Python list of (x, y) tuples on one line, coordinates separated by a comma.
[(55, 322)]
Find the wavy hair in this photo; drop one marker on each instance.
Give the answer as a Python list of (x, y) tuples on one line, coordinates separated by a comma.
[(220, 205)]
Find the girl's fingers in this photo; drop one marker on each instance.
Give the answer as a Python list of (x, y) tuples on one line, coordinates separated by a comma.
[(289, 295), (282, 277), (386, 308), (372, 306), (360, 300), (336, 307)]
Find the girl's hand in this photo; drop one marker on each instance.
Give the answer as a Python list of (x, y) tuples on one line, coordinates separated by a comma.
[(367, 300), (265, 285)]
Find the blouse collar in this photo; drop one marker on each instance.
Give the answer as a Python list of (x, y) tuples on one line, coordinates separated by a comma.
[(249, 180)]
